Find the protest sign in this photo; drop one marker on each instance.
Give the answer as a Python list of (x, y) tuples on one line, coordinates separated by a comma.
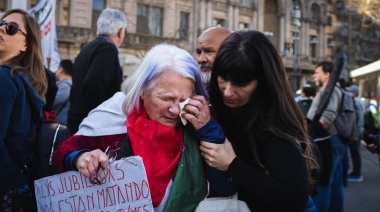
[(124, 189)]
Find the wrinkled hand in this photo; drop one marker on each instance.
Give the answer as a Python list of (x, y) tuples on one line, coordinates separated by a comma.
[(219, 156), (197, 111), (87, 162)]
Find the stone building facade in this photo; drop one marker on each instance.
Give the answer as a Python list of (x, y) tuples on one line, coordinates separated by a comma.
[(301, 30)]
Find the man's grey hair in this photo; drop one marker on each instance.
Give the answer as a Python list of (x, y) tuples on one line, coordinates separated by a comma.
[(110, 22)]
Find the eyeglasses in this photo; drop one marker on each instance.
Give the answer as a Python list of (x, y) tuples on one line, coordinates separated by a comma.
[(11, 28), (100, 172)]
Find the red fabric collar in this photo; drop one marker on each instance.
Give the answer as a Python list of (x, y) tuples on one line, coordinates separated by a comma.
[(160, 147)]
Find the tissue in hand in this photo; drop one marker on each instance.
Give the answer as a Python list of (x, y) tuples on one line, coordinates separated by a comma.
[(181, 106)]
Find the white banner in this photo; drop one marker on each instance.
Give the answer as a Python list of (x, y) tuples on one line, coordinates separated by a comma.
[(44, 12), (125, 188)]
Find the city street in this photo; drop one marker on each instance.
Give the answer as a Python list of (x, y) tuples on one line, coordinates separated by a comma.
[(364, 196)]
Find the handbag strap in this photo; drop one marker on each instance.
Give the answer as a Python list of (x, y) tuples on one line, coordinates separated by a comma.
[(23, 167), (52, 146)]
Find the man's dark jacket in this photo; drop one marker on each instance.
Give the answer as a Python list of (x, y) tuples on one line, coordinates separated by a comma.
[(97, 76)]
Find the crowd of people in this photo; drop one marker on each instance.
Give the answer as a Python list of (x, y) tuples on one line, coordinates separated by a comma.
[(245, 133)]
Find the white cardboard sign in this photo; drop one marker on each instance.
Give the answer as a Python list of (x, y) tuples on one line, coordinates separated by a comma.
[(124, 189)]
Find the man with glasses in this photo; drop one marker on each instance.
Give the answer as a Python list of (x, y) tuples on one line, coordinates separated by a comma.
[(97, 73)]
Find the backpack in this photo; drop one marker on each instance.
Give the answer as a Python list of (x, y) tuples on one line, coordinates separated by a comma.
[(49, 136), (345, 121)]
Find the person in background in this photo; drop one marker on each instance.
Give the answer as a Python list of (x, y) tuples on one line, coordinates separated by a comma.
[(354, 147), (144, 120), (267, 150), (62, 104), (22, 89), (208, 44), (51, 92), (371, 135), (307, 95), (97, 74), (330, 193)]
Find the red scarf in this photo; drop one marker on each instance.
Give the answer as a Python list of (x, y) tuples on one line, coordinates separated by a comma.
[(160, 147)]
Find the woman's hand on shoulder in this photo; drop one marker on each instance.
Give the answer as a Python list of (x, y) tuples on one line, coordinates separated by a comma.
[(87, 162), (219, 156), (197, 111)]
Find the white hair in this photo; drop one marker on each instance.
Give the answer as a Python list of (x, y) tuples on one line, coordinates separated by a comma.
[(110, 22), (161, 58)]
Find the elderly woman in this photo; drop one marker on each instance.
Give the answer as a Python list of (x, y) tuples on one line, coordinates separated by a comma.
[(150, 128), (22, 88)]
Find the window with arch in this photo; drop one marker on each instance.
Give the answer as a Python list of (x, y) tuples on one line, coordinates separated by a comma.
[(295, 12), (314, 12)]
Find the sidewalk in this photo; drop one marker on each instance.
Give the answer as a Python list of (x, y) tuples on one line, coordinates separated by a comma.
[(364, 196)]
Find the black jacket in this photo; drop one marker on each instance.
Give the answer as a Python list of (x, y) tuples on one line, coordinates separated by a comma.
[(97, 75)]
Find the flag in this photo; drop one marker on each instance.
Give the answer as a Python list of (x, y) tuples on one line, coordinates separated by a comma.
[(44, 12)]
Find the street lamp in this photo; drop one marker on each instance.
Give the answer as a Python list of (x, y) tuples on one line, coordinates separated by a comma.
[(297, 24)]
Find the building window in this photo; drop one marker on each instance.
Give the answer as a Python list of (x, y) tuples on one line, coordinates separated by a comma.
[(243, 25), (33, 3), (330, 43), (3, 6), (149, 20), (142, 19), (97, 7), (329, 21), (295, 12), (62, 12), (295, 45), (314, 12), (219, 22), (156, 21), (247, 3), (184, 26), (313, 46)]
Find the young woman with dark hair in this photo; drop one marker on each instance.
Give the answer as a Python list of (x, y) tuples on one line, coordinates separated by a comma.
[(270, 156)]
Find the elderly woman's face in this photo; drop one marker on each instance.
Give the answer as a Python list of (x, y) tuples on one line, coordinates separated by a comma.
[(162, 101), (12, 45)]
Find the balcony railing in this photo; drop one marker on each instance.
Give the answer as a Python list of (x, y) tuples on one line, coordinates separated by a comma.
[(81, 36)]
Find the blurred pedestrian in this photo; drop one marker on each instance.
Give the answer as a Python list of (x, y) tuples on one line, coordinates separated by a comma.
[(307, 94), (97, 73), (62, 100)]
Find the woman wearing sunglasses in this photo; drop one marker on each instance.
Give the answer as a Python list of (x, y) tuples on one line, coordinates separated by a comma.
[(150, 128), (22, 87)]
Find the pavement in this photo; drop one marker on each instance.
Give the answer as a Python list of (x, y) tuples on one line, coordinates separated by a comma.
[(364, 196)]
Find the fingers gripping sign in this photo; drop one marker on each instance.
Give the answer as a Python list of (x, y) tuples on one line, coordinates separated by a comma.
[(88, 162)]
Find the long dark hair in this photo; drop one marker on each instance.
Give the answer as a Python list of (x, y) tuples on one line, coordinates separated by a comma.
[(30, 62), (247, 55)]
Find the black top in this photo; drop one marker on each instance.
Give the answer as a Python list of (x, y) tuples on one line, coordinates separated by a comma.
[(97, 76), (283, 186)]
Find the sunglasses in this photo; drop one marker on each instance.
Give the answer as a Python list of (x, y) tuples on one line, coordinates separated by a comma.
[(11, 28)]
